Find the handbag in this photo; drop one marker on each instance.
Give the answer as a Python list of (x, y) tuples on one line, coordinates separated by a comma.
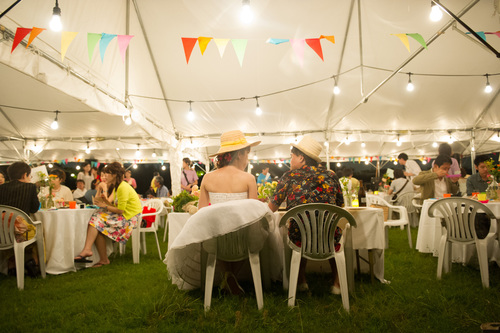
[(395, 196)]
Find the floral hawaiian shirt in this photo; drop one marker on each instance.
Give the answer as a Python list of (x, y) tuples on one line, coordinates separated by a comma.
[(308, 184)]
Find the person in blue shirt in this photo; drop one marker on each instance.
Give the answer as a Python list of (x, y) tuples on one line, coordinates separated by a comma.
[(264, 177)]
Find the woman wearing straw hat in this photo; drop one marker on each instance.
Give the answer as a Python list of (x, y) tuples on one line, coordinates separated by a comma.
[(229, 182), (306, 183)]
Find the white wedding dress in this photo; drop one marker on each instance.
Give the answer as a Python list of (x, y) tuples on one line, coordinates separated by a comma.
[(227, 213)]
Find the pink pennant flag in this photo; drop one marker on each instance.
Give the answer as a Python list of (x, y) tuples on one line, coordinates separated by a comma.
[(123, 41), (315, 44), (34, 32), (20, 34), (298, 49), (188, 44)]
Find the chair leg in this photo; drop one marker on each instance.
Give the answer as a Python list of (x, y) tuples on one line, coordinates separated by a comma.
[(19, 258), (257, 279), (409, 236), (294, 276), (143, 242), (441, 256), (165, 231), (158, 245), (482, 255), (341, 271), (41, 252), (209, 280), (447, 257), (136, 244)]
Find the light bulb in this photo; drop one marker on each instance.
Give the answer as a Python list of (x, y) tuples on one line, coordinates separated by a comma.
[(395, 162), (163, 167), (255, 157), (363, 144), (366, 162), (87, 150), (280, 165), (436, 13), (128, 120), (410, 86), (137, 153), (51, 165), (488, 88), (72, 175), (451, 140), (347, 141), (398, 143), (246, 14), (424, 162), (77, 167), (117, 148), (154, 154), (134, 166), (54, 125), (472, 149), (434, 144), (250, 166), (336, 90), (338, 164), (258, 110)]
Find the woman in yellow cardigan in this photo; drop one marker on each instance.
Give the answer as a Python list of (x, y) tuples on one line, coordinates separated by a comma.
[(114, 220)]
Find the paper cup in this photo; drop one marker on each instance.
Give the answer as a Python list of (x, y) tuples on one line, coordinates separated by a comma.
[(447, 195), (72, 204)]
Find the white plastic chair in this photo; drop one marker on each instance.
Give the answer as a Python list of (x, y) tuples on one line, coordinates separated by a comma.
[(406, 200), (317, 223), (400, 222), (166, 211), (8, 240), (234, 246), (157, 204), (458, 220)]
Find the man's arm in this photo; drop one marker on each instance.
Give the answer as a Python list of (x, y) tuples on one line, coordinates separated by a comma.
[(424, 177)]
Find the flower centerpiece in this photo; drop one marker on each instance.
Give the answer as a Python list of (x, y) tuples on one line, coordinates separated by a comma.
[(493, 190), (45, 195), (266, 191), (349, 194)]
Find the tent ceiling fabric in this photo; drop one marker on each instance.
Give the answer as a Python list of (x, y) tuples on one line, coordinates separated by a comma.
[(296, 99)]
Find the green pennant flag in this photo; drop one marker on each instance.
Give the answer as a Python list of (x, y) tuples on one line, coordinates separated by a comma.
[(419, 39), (92, 40)]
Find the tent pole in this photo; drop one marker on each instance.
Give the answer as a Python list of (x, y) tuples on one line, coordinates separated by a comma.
[(360, 39), (10, 7), (473, 150), (127, 31)]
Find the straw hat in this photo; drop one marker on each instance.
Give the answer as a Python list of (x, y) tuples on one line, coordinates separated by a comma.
[(232, 141), (310, 147)]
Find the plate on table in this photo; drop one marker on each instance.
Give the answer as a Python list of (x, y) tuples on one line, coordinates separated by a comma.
[(454, 176)]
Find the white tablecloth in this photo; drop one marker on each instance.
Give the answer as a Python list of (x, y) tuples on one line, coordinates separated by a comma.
[(65, 231), (429, 235)]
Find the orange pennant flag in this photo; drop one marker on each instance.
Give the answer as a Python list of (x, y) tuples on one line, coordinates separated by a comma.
[(315, 44), (34, 32), (188, 44), (203, 43), (330, 38), (20, 34)]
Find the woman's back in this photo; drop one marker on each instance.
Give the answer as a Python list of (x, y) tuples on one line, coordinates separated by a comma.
[(228, 180)]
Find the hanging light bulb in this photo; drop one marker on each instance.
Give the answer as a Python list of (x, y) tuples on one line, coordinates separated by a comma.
[(134, 166), (434, 144), (395, 162), (163, 167), (51, 165), (246, 14), (280, 165), (451, 140), (128, 120), (87, 150), (410, 86), (190, 112), (336, 89), (424, 161), (338, 164), (77, 167), (436, 13), (367, 162), (117, 149), (363, 144), (137, 152), (398, 142), (55, 22), (153, 154), (55, 124), (488, 87), (347, 141), (258, 110), (255, 157)]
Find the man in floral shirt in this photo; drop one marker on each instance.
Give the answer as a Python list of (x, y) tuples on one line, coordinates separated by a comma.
[(307, 183)]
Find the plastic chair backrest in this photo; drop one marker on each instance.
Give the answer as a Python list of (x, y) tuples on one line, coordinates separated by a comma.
[(405, 200), (157, 204), (317, 223), (459, 215), (7, 219)]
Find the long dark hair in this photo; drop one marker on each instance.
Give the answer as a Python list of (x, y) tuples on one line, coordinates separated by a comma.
[(90, 171), (228, 158), (117, 169)]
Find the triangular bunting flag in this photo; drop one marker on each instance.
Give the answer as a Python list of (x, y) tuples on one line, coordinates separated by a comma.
[(404, 39), (315, 44), (480, 33), (240, 46), (330, 38), (34, 32), (103, 44), (419, 39), (298, 49), (123, 41), (20, 34), (188, 44), (66, 39), (221, 45), (92, 40), (203, 43), (277, 41)]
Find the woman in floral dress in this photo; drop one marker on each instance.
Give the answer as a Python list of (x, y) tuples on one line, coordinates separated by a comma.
[(114, 220)]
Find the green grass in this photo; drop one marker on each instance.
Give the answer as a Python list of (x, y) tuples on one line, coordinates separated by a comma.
[(128, 297)]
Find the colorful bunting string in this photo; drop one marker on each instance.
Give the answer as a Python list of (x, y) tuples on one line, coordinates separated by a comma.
[(404, 39)]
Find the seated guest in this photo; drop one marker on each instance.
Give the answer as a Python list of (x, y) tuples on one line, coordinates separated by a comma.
[(264, 177), (462, 182), (129, 179), (434, 183), (80, 190), (115, 220), (299, 186), (478, 182), (2, 178), (90, 193), (400, 184), (161, 189), (20, 193), (59, 191), (229, 181)]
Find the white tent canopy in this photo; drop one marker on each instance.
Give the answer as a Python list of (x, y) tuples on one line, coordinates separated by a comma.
[(368, 62)]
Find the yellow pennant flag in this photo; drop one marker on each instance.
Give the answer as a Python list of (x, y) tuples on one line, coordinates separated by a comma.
[(330, 38), (66, 39), (221, 45), (203, 43), (404, 39)]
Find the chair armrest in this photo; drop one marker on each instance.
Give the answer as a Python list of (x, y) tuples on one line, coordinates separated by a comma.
[(37, 222)]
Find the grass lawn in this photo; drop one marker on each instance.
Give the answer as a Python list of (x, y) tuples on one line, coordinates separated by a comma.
[(128, 297)]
